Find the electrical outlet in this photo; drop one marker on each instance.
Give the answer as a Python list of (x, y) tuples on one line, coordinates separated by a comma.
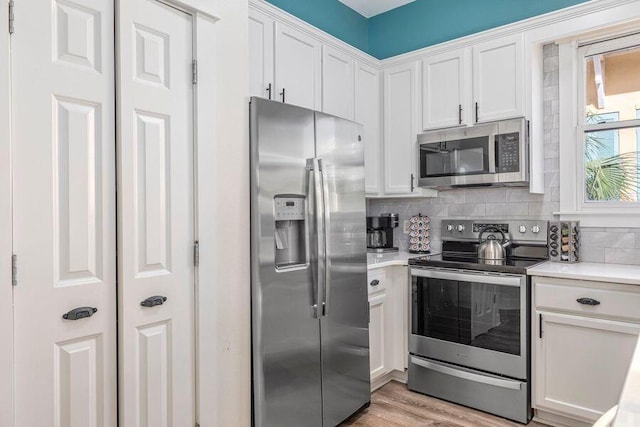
[(406, 226)]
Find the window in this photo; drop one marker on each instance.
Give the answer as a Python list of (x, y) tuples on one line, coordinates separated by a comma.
[(608, 131)]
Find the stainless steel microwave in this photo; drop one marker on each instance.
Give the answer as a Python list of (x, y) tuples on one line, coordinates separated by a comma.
[(492, 154)]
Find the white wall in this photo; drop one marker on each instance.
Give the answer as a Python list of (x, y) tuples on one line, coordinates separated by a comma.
[(224, 289)]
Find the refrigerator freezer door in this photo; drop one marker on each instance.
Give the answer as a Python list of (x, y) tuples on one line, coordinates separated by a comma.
[(286, 335), (344, 328)]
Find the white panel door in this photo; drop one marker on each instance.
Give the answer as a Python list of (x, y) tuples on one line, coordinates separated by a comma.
[(337, 83), (446, 88), (498, 79), (261, 52), (400, 130), (368, 112), (156, 216), (581, 364), (64, 213), (298, 65)]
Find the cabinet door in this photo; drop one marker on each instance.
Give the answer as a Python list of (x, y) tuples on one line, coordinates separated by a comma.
[(337, 83), (261, 29), (581, 363), (446, 86), (368, 111), (377, 334), (400, 130), (298, 63), (498, 79)]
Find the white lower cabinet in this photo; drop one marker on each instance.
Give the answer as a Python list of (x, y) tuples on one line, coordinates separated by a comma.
[(388, 321), (581, 352), (377, 324)]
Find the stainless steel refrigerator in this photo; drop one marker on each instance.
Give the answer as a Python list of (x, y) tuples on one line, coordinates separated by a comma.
[(310, 314)]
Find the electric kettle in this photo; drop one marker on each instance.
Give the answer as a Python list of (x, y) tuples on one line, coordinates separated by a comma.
[(491, 249)]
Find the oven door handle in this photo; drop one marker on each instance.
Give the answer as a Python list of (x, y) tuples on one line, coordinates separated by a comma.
[(514, 281), (497, 382)]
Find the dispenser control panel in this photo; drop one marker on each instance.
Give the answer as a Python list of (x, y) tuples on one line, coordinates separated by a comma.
[(289, 208)]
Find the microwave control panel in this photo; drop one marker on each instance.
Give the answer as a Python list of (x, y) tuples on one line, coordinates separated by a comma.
[(508, 152)]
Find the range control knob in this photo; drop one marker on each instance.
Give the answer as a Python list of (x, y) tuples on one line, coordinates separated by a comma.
[(460, 228), (535, 229), (449, 227), (522, 229)]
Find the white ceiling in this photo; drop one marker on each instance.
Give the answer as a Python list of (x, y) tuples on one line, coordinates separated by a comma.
[(369, 8)]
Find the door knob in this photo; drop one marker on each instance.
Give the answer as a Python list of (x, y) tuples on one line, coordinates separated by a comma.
[(153, 301), (79, 313)]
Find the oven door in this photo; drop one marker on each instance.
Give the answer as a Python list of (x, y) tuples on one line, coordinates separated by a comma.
[(474, 319)]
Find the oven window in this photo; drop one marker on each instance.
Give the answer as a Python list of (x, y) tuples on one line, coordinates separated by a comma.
[(450, 158), (476, 314)]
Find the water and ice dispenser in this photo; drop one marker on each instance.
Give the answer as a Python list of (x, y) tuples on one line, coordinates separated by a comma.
[(290, 231)]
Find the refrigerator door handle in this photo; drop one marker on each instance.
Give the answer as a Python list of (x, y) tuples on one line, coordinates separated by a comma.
[(313, 166), (326, 234)]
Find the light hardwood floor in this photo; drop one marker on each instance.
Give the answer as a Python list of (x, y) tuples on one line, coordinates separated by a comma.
[(395, 406)]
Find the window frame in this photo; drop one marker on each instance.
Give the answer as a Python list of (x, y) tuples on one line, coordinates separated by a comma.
[(573, 206)]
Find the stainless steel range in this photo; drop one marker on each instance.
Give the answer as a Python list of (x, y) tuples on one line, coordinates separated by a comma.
[(470, 328)]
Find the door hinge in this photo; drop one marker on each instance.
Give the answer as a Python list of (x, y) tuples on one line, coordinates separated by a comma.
[(196, 253), (11, 17), (194, 72), (197, 424), (14, 270)]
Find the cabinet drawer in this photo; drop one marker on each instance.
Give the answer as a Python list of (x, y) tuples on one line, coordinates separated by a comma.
[(377, 280), (603, 302)]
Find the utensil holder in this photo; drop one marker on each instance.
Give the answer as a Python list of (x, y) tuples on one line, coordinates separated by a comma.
[(564, 241)]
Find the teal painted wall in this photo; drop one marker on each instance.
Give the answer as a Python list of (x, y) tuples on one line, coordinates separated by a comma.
[(428, 22), (332, 17), (416, 25)]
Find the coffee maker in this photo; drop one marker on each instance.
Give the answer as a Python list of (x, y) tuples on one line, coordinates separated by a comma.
[(380, 232)]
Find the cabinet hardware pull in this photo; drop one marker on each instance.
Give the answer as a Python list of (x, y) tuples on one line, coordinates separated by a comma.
[(79, 313), (477, 109), (588, 301), (282, 93), (459, 114), (153, 301), (540, 326), (375, 282), (412, 183), (269, 90)]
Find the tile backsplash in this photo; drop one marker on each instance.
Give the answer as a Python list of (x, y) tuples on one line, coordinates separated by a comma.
[(611, 245)]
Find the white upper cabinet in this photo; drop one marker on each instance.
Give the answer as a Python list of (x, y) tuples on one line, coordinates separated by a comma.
[(298, 68), (400, 130), (498, 79), (261, 29), (446, 86), (368, 112), (337, 83)]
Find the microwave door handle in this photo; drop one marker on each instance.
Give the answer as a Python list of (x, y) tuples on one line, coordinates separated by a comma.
[(492, 153), (327, 236), (317, 280)]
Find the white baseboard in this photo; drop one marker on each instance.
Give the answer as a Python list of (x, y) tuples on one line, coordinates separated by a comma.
[(399, 376)]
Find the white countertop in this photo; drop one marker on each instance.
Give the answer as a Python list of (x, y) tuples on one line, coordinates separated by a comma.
[(385, 259), (629, 406), (594, 271)]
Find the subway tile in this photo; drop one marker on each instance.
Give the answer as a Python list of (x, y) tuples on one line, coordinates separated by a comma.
[(622, 256), (591, 254), (485, 195), (551, 63), (607, 239)]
